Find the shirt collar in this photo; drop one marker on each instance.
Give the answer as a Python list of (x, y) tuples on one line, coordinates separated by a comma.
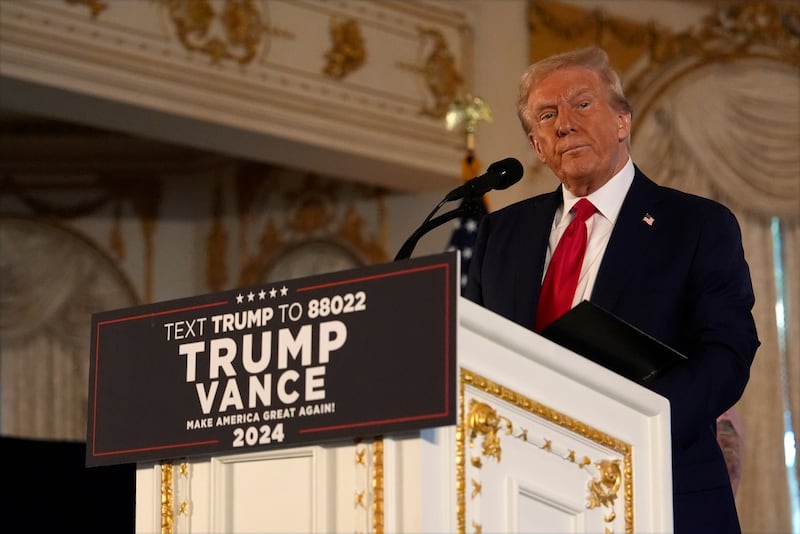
[(608, 199)]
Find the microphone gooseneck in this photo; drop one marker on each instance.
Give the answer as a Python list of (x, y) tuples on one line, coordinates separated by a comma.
[(469, 207), (499, 175)]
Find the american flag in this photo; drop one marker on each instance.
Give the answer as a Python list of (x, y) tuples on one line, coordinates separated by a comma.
[(463, 238)]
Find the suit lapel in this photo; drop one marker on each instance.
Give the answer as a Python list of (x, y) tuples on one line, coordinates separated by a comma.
[(629, 240), (532, 237)]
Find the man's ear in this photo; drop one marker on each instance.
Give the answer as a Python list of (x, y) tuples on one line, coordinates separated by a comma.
[(536, 147), (623, 126)]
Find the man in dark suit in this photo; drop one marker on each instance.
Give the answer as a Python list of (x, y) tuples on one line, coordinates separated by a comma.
[(670, 263)]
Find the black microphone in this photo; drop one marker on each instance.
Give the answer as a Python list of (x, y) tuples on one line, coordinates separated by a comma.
[(500, 175)]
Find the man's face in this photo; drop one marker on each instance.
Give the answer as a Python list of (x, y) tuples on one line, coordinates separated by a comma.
[(576, 132)]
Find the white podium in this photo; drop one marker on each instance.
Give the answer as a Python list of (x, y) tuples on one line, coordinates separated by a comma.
[(545, 442)]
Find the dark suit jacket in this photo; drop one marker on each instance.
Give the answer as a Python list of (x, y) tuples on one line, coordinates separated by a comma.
[(683, 280)]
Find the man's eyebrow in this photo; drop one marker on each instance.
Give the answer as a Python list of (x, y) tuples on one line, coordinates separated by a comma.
[(570, 95)]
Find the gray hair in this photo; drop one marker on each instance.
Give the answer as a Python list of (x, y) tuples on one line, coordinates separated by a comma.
[(591, 58)]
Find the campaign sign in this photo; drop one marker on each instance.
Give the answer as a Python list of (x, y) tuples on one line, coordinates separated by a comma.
[(351, 354)]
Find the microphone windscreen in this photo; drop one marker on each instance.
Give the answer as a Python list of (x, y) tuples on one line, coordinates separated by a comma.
[(509, 171)]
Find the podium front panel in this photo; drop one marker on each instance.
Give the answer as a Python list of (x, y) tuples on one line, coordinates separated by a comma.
[(545, 441)]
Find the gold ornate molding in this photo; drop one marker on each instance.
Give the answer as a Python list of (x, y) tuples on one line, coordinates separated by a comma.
[(377, 486), (481, 419), (348, 52), (369, 496), (440, 71), (461, 455), (604, 490), (736, 29), (170, 490), (167, 492), (731, 30), (654, 59), (244, 29)]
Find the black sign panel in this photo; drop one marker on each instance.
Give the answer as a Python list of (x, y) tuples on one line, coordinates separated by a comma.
[(356, 353)]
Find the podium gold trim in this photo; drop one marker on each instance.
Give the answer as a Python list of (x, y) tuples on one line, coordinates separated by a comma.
[(480, 420)]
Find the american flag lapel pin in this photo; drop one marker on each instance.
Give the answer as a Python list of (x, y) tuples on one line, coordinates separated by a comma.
[(648, 219)]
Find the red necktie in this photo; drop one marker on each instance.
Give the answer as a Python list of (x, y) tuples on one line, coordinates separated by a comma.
[(558, 288)]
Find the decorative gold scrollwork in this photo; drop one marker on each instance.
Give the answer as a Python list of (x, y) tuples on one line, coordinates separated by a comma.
[(739, 29), (240, 19), (243, 29), (348, 52), (477, 487), (360, 499), (603, 491), (607, 484), (483, 419), (440, 72)]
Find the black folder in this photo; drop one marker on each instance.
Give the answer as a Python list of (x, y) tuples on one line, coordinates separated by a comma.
[(602, 337)]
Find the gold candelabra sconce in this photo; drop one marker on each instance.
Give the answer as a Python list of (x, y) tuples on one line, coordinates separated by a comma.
[(467, 113)]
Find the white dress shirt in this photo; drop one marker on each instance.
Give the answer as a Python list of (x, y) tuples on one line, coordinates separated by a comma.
[(608, 201)]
